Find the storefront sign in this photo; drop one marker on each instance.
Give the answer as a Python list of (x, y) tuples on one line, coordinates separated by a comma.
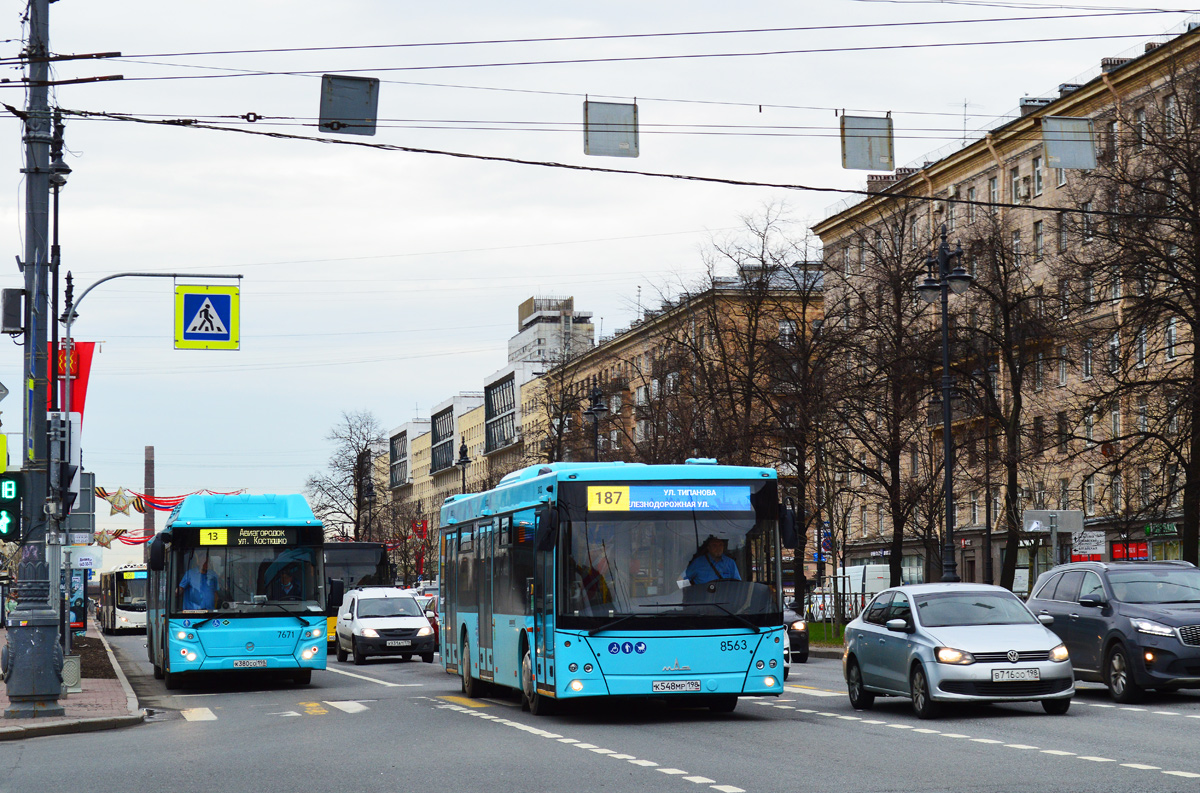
[(1161, 530)]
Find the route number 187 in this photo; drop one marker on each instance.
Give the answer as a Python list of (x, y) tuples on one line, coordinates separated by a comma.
[(608, 498)]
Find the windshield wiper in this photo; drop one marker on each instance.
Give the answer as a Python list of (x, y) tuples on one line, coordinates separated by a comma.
[(735, 615), (617, 622)]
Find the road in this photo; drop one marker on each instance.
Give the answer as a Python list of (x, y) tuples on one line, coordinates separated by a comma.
[(390, 725)]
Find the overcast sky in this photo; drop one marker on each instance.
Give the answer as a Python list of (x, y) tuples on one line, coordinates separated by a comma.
[(388, 281)]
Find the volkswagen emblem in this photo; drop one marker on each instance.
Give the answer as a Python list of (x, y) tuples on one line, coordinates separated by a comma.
[(1013, 656), (250, 649)]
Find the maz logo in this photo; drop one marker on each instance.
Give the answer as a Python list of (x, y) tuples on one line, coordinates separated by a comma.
[(677, 667)]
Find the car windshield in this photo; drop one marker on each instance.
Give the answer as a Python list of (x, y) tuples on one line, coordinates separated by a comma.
[(388, 607), (946, 609), (1156, 586)]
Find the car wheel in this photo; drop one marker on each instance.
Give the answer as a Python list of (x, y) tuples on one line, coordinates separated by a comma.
[(918, 686), (1056, 707), (427, 657), (534, 702), (341, 651), (786, 671), (360, 657), (800, 659), (405, 657), (303, 677), (860, 698), (1120, 680), (723, 704), (470, 686)]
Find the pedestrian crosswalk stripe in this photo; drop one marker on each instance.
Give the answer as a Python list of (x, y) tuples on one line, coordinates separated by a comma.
[(349, 706), (199, 714)]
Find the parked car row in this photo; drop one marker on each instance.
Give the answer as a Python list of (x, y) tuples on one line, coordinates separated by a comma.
[(1130, 625)]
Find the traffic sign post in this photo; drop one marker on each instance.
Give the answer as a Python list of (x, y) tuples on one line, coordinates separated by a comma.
[(1053, 521)]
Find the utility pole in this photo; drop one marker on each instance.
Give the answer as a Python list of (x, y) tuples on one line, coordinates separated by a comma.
[(32, 661)]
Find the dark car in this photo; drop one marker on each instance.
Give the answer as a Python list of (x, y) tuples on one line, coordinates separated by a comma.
[(797, 632), (1130, 625)]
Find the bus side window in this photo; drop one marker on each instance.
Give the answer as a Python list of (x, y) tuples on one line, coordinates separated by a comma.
[(464, 538), (505, 530)]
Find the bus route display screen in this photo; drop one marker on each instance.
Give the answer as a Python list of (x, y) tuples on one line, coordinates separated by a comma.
[(664, 498), (248, 536)]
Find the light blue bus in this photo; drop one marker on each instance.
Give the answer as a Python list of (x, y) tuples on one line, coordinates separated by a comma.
[(237, 583), (574, 580)]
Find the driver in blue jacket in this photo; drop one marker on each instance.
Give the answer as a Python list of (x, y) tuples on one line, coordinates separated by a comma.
[(711, 563)]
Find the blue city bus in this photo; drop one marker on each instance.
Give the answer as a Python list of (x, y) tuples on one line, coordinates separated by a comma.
[(567, 581), (237, 583)]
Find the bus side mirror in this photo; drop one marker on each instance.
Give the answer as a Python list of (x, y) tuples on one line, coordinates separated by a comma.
[(547, 531), (337, 593), (787, 526), (158, 554)]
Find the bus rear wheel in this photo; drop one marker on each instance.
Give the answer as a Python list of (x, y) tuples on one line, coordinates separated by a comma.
[(532, 701)]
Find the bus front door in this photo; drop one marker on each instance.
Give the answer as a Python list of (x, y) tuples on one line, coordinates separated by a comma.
[(448, 575), (543, 616), (484, 554)]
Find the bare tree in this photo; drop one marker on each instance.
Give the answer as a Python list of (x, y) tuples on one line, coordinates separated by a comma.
[(343, 497)]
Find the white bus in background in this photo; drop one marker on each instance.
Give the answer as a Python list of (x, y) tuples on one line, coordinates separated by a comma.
[(122, 603)]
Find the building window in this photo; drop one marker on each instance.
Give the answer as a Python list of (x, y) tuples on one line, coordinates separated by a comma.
[(1140, 132), (1116, 421), (1064, 431), (1116, 493), (787, 332), (1110, 137), (1016, 248), (1087, 223), (1064, 298), (1089, 495), (1114, 352), (1140, 346), (1062, 177), (970, 204), (1089, 428), (1089, 292), (1037, 175), (1086, 363), (1172, 415), (1064, 493), (1116, 285), (951, 211), (1170, 115), (1173, 487), (1062, 234), (1169, 339), (993, 193), (974, 507), (1039, 368), (1015, 177), (1062, 365), (1143, 411), (1145, 488), (1039, 435), (1039, 240), (862, 520)]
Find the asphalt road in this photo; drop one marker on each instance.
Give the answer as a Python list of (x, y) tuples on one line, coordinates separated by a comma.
[(392, 725)]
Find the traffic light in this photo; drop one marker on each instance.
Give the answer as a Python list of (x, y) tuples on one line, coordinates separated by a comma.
[(12, 488)]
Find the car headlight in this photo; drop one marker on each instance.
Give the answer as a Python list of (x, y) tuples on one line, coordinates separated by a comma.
[(426, 631), (1153, 628), (948, 655), (370, 633), (1059, 653), (799, 625)]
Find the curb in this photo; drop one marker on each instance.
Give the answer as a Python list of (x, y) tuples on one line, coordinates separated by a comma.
[(131, 700), (69, 726), (824, 652)]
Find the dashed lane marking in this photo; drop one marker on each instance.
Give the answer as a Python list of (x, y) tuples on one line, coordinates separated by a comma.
[(674, 771), (1096, 759), (285, 713), (728, 789), (926, 730), (814, 692), (198, 714), (375, 679), (699, 780), (954, 735), (1142, 766), (1058, 753), (1019, 746), (465, 701), (1184, 774), (347, 706), (644, 763), (985, 740)]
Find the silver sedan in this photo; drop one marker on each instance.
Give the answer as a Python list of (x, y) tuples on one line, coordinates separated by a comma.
[(942, 643)]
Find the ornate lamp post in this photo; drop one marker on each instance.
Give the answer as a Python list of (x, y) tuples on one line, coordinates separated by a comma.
[(462, 462), (940, 282), (596, 411)]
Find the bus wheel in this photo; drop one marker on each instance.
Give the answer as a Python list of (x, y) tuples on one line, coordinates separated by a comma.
[(723, 704), (303, 677), (534, 702), (170, 678), (158, 673), (470, 686)]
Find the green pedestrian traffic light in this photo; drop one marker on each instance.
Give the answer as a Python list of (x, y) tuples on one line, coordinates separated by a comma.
[(12, 487)]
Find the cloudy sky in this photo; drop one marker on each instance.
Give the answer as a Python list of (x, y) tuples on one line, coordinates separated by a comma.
[(387, 281)]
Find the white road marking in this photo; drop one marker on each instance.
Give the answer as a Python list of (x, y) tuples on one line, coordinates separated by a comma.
[(1100, 705), (806, 710), (199, 714), (284, 713), (815, 692), (850, 718), (823, 713), (873, 721), (1138, 710), (700, 780), (644, 763), (728, 789), (622, 756), (670, 771), (1019, 746), (900, 726), (954, 735), (350, 706), (1058, 752), (567, 740), (1142, 766), (1194, 716), (926, 730), (584, 745), (604, 751), (375, 680), (1184, 774), (1157, 712), (985, 740), (1097, 759)]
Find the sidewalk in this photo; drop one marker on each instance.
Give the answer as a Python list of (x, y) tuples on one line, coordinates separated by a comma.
[(104, 704)]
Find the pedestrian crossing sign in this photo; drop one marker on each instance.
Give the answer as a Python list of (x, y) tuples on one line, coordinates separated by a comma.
[(206, 317)]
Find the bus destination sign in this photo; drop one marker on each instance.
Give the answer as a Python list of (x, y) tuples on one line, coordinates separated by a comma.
[(248, 536), (663, 498)]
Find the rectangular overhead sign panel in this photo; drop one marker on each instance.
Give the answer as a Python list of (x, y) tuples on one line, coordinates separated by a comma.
[(207, 317), (1069, 142), (867, 144), (349, 105), (1068, 520), (610, 129)]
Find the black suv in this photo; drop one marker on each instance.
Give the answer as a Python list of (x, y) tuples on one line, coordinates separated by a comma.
[(1129, 625)]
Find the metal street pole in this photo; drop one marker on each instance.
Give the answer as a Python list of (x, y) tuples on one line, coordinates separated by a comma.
[(32, 660)]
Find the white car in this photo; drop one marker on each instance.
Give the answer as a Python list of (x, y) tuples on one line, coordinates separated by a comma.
[(383, 621)]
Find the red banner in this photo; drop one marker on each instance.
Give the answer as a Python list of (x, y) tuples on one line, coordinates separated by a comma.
[(420, 528), (81, 367)]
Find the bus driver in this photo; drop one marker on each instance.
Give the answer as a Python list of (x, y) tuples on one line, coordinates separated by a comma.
[(198, 586), (711, 564)]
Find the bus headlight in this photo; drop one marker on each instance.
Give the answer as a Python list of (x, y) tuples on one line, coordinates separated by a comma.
[(307, 655), (577, 685), (315, 632), (184, 635), (769, 681), (191, 656), (426, 631), (370, 633)]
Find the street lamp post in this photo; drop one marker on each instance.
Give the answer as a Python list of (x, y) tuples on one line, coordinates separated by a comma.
[(939, 283), (462, 462), (596, 410)]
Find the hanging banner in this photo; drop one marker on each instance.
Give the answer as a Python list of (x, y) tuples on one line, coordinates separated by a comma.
[(80, 369)]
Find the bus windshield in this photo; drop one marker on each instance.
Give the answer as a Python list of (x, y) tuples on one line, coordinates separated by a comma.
[(667, 565), (131, 592), (250, 578)]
